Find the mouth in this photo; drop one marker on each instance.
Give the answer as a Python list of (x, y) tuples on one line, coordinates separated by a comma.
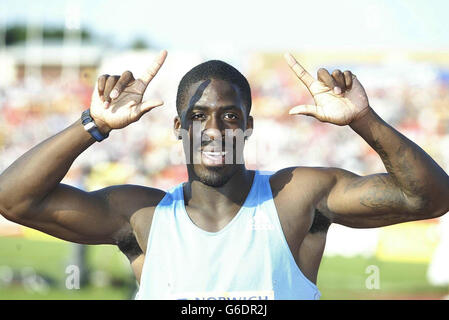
[(213, 158)]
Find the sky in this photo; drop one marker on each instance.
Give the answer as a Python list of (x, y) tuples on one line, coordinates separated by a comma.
[(251, 25)]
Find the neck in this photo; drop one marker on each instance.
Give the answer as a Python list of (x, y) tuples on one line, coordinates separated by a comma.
[(218, 200)]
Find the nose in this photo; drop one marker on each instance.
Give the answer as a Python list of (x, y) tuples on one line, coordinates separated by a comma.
[(213, 129)]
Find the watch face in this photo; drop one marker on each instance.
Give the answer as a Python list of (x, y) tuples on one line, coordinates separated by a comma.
[(85, 117)]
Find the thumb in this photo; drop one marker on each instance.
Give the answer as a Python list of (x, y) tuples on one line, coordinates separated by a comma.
[(306, 109), (146, 106)]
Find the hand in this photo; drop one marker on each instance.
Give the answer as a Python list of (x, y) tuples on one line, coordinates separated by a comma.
[(117, 100), (339, 98)]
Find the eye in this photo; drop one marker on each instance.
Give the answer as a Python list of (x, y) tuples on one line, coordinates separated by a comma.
[(198, 116), (231, 116)]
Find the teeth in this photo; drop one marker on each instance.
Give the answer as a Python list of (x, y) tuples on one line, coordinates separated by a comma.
[(214, 154)]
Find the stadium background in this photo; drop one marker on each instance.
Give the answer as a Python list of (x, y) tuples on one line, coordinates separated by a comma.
[(47, 80)]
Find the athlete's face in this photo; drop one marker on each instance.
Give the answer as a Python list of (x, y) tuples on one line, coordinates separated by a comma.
[(213, 125)]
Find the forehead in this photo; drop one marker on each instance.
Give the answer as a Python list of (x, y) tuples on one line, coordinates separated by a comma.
[(214, 93)]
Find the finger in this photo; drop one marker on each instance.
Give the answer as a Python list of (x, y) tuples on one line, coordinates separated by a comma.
[(153, 69), (326, 78), (121, 84), (339, 79), (348, 79), (302, 74), (146, 106), (307, 109), (101, 84), (110, 83)]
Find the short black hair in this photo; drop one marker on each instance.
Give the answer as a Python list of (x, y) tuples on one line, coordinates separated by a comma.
[(213, 69)]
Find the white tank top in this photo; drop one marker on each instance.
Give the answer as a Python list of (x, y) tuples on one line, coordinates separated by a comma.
[(248, 259)]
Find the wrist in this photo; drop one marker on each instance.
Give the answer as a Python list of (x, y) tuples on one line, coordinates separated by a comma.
[(363, 118), (102, 126), (96, 129)]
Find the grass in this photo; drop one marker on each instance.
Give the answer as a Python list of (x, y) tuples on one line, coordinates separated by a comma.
[(50, 259), (89, 293), (345, 278), (339, 278)]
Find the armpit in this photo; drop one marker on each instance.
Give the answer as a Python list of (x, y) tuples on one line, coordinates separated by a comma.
[(320, 223), (129, 246)]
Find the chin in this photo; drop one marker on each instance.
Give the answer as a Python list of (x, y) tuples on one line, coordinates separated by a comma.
[(215, 176)]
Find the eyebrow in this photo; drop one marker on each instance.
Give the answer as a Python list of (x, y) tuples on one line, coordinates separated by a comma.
[(201, 107)]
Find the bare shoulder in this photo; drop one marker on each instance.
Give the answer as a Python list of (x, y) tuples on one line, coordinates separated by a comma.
[(306, 189), (137, 204), (300, 194), (309, 182), (127, 199), (133, 201)]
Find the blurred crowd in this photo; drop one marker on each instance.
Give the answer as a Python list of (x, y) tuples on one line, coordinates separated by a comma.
[(413, 98)]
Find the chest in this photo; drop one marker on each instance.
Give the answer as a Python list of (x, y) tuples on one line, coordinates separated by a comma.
[(248, 255)]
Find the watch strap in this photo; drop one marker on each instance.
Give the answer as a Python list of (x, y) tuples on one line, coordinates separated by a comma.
[(91, 127)]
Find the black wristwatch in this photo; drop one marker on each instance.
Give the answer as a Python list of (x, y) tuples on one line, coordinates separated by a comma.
[(91, 127)]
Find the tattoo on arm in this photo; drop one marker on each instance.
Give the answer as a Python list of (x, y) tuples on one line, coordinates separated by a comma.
[(382, 194), (402, 173), (402, 167), (358, 183), (385, 158)]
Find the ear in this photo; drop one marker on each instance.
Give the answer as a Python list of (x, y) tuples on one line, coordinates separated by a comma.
[(249, 127), (177, 128)]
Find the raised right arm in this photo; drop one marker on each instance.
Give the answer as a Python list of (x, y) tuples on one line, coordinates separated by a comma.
[(31, 193), (38, 172), (30, 190)]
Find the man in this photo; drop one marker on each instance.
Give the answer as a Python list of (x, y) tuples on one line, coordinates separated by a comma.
[(229, 232)]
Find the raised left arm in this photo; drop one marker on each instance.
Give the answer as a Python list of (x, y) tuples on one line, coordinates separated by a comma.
[(421, 182), (415, 187)]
